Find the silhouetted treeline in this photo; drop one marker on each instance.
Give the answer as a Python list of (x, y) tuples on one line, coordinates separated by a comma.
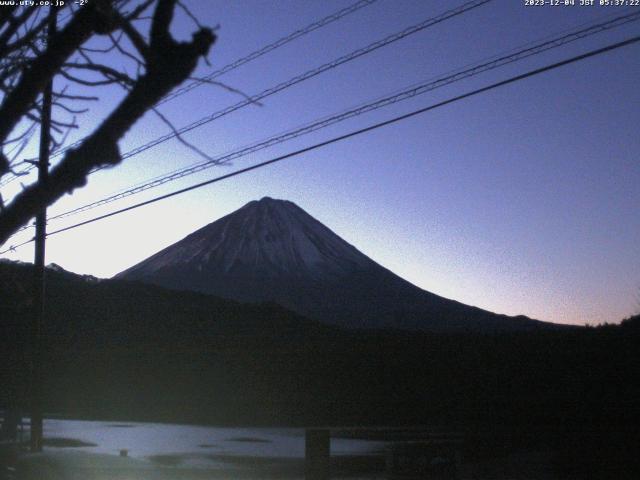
[(132, 351)]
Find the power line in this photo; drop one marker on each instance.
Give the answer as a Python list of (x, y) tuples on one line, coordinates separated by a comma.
[(268, 48), (298, 78), (411, 92), (13, 248), (613, 21), (451, 13), (312, 73), (233, 65), (354, 133)]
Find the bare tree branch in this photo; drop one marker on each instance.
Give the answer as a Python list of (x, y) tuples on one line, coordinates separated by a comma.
[(181, 139), (167, 63), (79, 29)]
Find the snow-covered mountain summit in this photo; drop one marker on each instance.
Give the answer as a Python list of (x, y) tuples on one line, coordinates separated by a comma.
[(268, 238), (272, 250)]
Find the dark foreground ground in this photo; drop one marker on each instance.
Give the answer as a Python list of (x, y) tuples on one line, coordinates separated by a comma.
[(499, 454), (123, 351)]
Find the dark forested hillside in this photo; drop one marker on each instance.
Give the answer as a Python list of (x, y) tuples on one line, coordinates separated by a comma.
[(131, 351)]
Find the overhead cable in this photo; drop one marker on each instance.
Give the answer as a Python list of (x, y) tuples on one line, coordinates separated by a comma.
[(233, 65), (406, 94), (354, 133)]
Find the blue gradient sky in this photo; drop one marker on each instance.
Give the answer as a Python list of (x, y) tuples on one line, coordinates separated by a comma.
[(523, 200)]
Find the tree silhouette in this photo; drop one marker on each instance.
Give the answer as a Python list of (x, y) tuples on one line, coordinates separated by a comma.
[(91, 51)]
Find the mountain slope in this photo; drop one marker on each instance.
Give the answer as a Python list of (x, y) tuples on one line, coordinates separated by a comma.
[(272, 250)]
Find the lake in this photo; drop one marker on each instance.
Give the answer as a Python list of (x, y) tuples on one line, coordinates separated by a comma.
[(185, 449)]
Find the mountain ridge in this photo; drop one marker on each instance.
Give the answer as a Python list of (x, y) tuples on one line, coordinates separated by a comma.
[(272, 250)]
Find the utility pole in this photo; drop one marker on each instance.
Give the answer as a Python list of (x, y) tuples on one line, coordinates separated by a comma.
[(39, 275)]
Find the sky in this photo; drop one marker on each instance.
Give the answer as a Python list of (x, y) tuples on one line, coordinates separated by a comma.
[(522, 200)]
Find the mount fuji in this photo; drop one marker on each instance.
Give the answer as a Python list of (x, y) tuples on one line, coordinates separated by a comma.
[(273, 251)]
